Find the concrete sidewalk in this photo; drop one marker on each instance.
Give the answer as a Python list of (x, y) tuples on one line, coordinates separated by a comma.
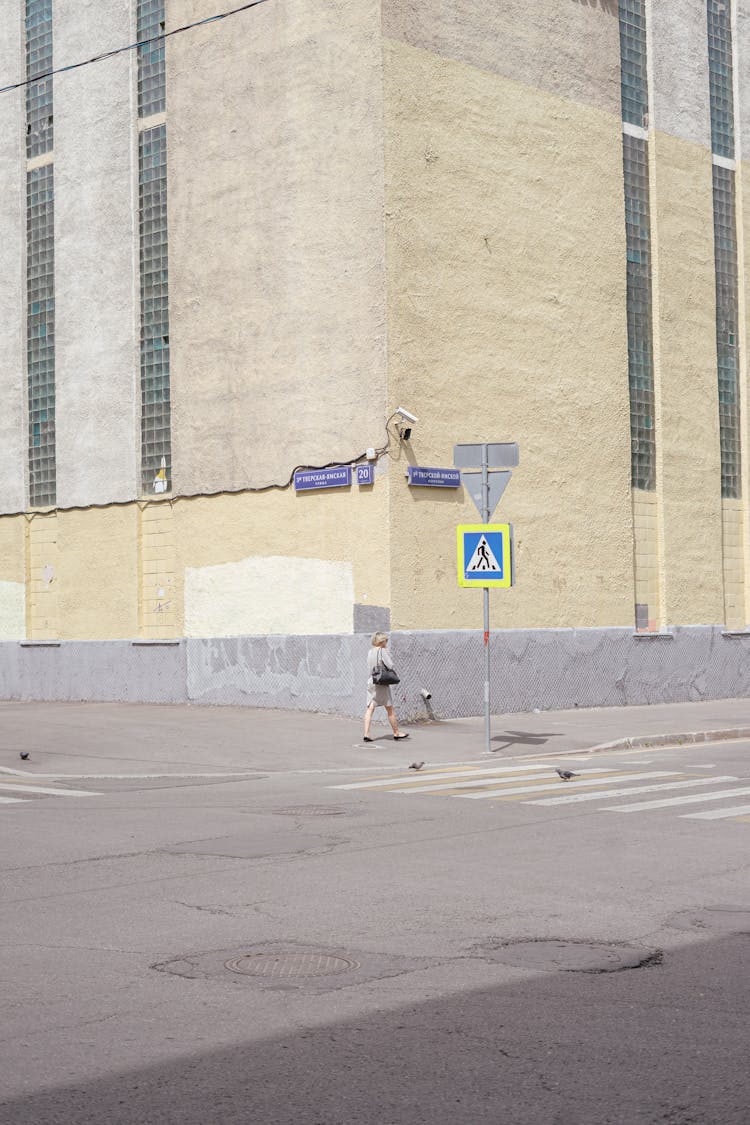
[(90, 739)]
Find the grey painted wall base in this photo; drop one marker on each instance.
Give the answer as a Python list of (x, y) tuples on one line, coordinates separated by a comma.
[(548, 669)]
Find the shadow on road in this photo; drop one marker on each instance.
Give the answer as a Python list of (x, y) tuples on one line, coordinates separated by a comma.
[(522, 738), (664, 1044)]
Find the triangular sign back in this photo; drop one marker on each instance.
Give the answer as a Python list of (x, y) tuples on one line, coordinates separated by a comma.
[(498, 482)]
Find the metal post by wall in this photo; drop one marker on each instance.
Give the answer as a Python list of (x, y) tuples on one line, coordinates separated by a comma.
[(493, 545), (486, 599)]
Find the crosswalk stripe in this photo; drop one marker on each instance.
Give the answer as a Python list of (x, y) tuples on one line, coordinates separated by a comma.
[(643, 806), (478, 783), (417, 780), (717, 814), (20, 787), (607, 793), (558, 784), (11, 801)]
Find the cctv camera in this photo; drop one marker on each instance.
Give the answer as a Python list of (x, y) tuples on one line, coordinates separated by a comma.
[(407, 415), (425, 693)]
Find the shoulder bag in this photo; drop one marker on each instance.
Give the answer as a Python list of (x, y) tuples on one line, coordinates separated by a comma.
[(382, 675)]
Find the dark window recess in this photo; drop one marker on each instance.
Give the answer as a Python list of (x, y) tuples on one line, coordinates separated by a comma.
[(721, 77), (40, 334), (633, 74), (155, 390), (39, 136), (639, 315), (727, 313), (151, 58)]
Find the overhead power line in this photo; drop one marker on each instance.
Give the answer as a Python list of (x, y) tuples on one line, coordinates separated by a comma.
[(132, 46)]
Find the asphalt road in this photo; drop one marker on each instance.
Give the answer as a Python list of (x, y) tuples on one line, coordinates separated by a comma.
[(318, 947)]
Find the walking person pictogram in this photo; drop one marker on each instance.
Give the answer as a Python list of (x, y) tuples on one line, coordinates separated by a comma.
[(483, 559)]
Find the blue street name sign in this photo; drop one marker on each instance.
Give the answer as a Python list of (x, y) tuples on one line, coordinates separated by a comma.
[(434, 478), (365, 474), (307, 479)]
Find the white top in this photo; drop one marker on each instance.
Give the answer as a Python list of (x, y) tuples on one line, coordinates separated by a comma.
[(376, 655)]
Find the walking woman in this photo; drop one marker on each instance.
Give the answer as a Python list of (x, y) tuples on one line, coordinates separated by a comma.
[(379, 695)]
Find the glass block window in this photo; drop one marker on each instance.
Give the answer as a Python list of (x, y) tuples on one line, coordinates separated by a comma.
[(38, 61), (640, 327), (151, 64), (721, 77), (155, 403), (40, 271), (725, 255), (633, 77)]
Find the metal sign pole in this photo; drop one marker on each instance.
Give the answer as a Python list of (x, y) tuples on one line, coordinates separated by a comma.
[(486, 599), (485, 490)]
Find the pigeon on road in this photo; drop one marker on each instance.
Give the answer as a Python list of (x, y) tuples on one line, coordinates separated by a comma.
[(416, 765), (24, 755), (566, 775)]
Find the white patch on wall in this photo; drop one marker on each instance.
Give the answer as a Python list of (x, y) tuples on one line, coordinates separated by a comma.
[(269, 594), (12, 611)]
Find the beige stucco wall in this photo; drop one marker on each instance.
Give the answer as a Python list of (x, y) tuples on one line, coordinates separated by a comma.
[(434, 220), (277, 305), (12, 578), (216, 566), (570, 48), (506, 302), (687, 411), (96, 573), (282, 562)]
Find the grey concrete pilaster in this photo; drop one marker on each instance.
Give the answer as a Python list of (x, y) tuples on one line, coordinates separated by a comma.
[(98, 671), (13, 425), (742, 66), (678, 46), (96, 246), (571, 48), (371, 618)]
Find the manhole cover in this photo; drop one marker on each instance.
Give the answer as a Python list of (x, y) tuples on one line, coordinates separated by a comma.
[(286, 966), (719, 919), (309, 810), (550, 955), (283, 966)]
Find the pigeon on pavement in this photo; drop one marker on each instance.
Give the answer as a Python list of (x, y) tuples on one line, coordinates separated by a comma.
[(416, 765), (566, 775), (24, 754)]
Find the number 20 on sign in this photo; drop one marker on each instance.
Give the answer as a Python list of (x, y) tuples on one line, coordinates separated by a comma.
[(485, 555)]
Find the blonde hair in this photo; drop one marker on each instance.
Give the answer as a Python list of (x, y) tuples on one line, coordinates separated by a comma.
[(379, 639)]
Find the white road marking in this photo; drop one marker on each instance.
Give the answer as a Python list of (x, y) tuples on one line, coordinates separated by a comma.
[(561, 785), (12, 801), (126, 776), (413, 783), (717, 814), (606, 793), (643, 806), (373, 767), (453, 773), (20, 788)]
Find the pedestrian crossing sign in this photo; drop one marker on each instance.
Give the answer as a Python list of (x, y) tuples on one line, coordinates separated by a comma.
[(485, 554)]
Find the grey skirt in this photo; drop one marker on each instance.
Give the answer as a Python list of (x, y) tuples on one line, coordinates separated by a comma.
[(380, 693)]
